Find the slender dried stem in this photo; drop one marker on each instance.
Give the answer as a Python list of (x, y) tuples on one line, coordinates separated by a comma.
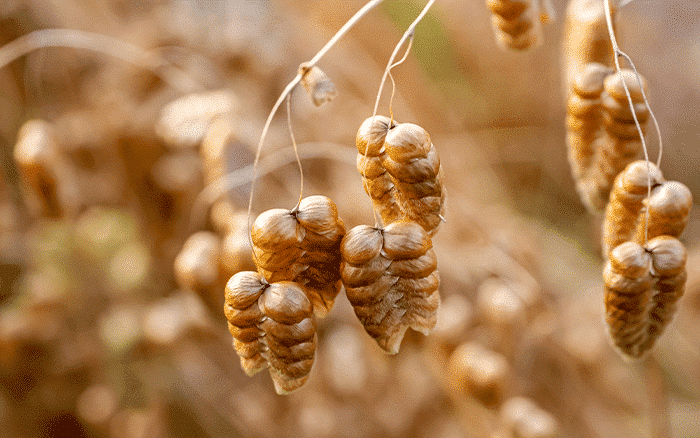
[(270, 163), (290, 87), (408, 34), (618, 53), (78, 39), (296, 152)]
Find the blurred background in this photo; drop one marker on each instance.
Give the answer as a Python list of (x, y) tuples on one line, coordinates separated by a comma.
[(112, 274)]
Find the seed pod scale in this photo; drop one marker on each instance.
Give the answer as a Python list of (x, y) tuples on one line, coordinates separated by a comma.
[(273, 326), (303, 246), (391, 279)]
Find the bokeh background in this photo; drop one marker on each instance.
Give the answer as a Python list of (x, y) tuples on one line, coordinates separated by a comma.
[(100, 338)]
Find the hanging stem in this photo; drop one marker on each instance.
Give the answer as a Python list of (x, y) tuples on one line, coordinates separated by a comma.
[(296, 152), (290, 87), (78, 39), (409, 33), (618, 54)]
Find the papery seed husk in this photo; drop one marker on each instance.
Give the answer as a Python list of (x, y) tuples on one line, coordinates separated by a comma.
[(417, 170), (630, 259), (590, 82), (370, 167), (422, 315), (253, 365), (361, 244), (285, 385), (276, 228), (372, 132), (371, 293), (668, 255), (244, 288), (244, 317), (431, 187), (619, 111), (363, 275), (414, 268), (407, 142), (290, 334), (319, 215), (291, 351), (249, 349), (422, 287), (405, 240), (245, 333), (295, 370), (285, 302), (613, 86), (271, 260), (668, 207)]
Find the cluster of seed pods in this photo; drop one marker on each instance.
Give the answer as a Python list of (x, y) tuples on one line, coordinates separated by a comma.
[(645, 272), (602, 136)]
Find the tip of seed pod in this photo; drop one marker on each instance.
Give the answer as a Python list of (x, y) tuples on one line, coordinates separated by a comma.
[(637, 176), (668, 255), (671, 197), (36, 137), (630, 259), (407, 142), (371, 135), (614, 86), (317, 84), (589, 82)]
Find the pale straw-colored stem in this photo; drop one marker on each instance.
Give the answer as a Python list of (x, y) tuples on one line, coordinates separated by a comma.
[(618, 53), (290, 87), (78, 39), (270, 163)]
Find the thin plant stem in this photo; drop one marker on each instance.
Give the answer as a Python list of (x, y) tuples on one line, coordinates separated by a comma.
[(296, 151), (618, 54), (288, 89), (393, 83), (78, 39), (270, 163), (409, 33)]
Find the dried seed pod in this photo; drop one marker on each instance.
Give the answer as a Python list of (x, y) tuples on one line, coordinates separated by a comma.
[(302, 245), (668, 208), (48, 183), (412, 161), (391, 280), (214, 146), (375, 179), (516, 23), (197, 264), (668, 256), (479, 373), (401, 172), (235, 247), (584, 121), (586, 38), (273, 325), (317, 84), (503, 312), (620, 143), (628, 281), (524, 419), (626, 201), (244, 318), (184, 122)]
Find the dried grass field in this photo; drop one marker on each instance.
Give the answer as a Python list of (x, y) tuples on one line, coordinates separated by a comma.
[(114, 258)]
